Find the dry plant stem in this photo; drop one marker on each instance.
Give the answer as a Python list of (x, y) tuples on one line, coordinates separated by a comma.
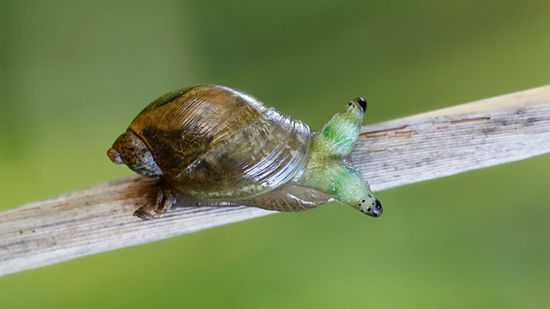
[(393, 153)]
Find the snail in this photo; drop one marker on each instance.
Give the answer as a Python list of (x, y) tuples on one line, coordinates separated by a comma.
[(223, 147)]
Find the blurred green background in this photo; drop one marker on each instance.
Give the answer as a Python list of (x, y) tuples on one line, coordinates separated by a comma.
[(73, 74)]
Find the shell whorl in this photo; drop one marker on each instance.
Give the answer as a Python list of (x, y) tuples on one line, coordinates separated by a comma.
[(214, 142)]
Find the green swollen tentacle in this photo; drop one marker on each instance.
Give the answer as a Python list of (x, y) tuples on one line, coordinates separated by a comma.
[(337, 179), (338, 136), (327, 169)]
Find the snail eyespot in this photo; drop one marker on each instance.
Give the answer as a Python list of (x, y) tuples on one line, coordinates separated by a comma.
[(363, 103), (362, 201)]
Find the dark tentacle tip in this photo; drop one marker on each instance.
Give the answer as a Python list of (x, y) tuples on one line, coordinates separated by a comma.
[(363, 103), (377, 209), (378, 205)]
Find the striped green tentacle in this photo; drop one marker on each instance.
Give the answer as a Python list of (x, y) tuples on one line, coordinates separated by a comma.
[(338, 136), (327, 169)]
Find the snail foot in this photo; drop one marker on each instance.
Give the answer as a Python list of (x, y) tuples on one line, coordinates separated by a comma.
[(158, 205)]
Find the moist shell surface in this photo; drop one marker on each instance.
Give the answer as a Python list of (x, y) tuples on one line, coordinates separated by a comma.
[(214, 142)]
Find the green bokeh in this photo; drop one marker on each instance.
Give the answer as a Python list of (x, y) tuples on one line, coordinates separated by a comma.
[(73, 74)]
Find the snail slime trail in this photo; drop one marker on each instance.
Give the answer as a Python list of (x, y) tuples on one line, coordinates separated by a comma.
[(221, 146)]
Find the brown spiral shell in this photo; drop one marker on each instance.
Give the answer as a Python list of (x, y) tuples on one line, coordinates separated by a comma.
[(214, 142)]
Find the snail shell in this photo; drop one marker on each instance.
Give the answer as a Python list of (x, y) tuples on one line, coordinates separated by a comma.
[(214, 142)]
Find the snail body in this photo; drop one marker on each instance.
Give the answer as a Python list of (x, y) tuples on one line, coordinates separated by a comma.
[(221, 146)]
